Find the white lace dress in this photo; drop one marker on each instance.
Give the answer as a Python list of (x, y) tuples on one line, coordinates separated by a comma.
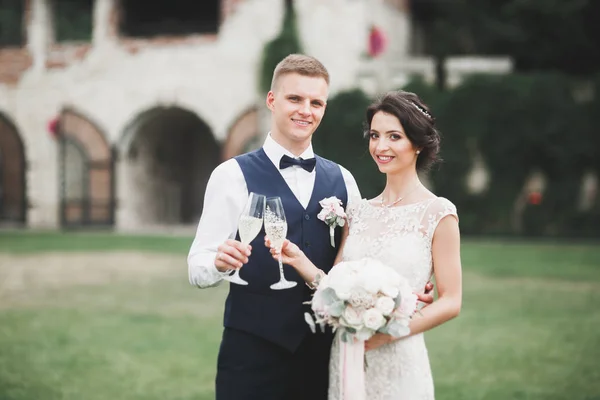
[(401, 238)]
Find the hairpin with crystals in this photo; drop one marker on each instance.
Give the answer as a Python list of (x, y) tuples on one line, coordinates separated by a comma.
[(421, 109)]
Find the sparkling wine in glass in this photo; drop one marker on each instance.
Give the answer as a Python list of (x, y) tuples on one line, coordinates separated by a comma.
[(276, 230), (249, 226)]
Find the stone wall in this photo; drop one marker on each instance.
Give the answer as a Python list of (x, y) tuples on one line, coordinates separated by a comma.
[(119, 82)]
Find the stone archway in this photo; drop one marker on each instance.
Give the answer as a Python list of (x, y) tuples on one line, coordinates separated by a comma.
[(168, 156), (243, 135), (13, 200), (86, 173)]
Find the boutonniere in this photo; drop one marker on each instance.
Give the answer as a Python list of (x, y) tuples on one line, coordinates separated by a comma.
[(332, 214)]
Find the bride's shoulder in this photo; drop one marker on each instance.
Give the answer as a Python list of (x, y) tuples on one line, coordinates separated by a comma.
[(444, 203), (440, 207)]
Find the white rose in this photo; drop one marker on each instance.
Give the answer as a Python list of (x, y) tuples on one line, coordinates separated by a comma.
[(373, 319), (343, 292), (390, 290), (385, 305), (371, 283), (342, 277), (352, 317), (360, 298), (342, 285)]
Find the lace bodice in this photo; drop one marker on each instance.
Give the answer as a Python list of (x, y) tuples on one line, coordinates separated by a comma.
[(400, 237)]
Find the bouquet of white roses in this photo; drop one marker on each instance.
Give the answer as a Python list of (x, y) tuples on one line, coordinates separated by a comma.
[(361, 298)]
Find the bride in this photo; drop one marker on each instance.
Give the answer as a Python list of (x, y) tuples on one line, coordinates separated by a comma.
[(408, 228)]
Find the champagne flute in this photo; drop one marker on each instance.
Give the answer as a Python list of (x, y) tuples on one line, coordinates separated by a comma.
[(276, 230), (249, 226)]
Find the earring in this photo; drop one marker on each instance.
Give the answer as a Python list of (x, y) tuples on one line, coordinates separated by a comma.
[(418, 151)]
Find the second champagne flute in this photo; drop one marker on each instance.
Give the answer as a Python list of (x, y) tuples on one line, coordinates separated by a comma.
[(276, 230), (249, 226)]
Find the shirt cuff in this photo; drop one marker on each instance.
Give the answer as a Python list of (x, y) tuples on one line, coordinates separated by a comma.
[(216, 270)]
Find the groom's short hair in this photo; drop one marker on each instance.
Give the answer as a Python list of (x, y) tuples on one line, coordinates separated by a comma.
[(300, 64)]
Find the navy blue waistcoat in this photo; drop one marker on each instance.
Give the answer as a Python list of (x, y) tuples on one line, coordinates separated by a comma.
[(278, 315)]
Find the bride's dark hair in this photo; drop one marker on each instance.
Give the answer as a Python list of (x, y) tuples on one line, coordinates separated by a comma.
[(417, 121)]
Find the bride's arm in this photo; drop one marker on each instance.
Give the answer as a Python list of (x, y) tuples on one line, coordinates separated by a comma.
[(448, 276), (292, 255), (447, 269)]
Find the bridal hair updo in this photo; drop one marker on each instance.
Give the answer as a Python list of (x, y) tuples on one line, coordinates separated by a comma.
[(417, 121)]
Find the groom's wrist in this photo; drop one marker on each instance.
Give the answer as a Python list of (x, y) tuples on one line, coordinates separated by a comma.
[(222, 273)]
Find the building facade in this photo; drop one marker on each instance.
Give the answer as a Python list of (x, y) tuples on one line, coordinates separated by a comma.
[(123, 129)]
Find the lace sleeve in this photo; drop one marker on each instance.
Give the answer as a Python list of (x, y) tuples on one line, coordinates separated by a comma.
[(351, 207), (438, 210)]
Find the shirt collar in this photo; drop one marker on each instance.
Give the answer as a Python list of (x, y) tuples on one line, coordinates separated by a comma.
[(275, 151)]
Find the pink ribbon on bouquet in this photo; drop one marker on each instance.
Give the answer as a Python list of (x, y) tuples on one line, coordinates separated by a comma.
[(352, 370)]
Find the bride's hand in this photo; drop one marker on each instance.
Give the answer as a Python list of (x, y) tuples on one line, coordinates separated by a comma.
[(377, 340), (290, 253)]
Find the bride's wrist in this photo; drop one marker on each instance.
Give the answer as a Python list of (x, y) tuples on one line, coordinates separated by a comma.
[(314, 283), (304, 265)]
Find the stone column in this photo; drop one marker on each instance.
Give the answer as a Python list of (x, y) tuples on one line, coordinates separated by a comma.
[(40, 32), (106, 22)]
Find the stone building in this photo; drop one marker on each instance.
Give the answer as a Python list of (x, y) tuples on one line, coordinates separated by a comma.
[(123, 129)]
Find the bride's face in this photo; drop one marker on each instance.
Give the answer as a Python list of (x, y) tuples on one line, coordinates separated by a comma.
[(389, 146)]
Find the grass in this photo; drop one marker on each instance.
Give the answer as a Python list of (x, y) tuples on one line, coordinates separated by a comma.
[(20, 242), (528, 330)]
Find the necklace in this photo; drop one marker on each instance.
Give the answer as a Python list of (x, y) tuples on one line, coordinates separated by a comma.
[(399, 198)]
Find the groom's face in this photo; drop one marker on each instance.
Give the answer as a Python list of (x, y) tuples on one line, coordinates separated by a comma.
[(298, 103)]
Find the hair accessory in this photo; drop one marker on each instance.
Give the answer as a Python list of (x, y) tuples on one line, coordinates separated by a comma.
[(423, 111)]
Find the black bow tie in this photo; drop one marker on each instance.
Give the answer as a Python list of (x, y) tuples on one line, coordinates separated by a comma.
[(287, 161)]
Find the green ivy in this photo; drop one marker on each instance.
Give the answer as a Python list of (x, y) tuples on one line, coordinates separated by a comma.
[(286, 43), (11, 23), (73, 20), (518, 124)]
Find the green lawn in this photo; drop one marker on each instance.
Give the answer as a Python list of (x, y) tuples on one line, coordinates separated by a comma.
[(37, 242), (528, 330)]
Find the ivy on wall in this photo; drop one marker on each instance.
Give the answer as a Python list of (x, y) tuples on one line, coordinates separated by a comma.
[(519, 125), (286, 43)]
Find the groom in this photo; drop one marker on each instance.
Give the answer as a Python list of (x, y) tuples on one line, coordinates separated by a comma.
[(267, 350)]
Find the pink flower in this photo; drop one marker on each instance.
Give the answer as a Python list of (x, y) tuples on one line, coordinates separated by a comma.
[(333, 213), (385, 305)]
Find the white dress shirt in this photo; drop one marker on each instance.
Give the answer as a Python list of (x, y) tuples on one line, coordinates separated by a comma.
[(224, 201)]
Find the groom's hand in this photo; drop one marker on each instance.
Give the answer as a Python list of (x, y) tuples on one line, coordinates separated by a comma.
[(427, 295), (232, 255)]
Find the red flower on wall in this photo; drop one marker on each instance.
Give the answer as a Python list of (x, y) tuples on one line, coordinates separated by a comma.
[(53, 126), (534, 198), (377, 41)]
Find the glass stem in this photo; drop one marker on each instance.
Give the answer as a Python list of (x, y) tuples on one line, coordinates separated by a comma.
[(281, 268), (236, 274)]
